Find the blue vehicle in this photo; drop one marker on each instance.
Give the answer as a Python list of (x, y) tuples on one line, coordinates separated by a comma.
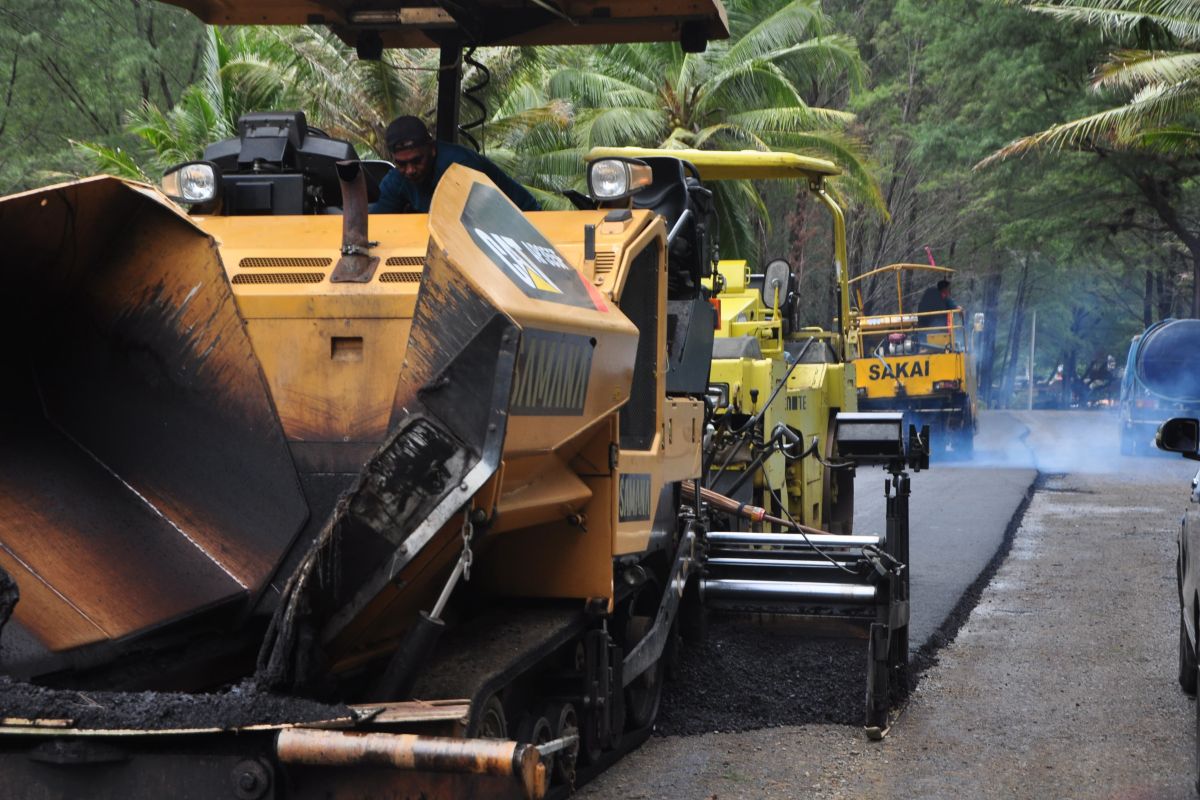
[(1162, 380)]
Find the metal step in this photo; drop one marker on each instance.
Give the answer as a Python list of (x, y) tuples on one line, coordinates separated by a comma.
[(730, 589)]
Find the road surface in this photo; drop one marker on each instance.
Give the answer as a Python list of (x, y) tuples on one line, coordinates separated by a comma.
[(958, 516), (1061, 683)]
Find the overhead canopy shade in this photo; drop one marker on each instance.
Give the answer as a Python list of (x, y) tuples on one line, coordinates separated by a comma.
[(726, 165), (431, 23)]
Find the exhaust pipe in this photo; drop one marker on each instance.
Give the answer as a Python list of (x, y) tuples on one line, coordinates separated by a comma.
[(356, 265)]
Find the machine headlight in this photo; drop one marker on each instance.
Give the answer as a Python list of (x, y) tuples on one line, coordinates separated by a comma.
[(192, 183), (617, 178)]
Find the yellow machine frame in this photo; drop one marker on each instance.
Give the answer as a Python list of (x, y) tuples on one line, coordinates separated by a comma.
[(814, 393), (919, 363)]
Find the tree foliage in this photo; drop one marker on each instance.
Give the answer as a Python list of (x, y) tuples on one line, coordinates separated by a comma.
[(70, 70), (749, 91)]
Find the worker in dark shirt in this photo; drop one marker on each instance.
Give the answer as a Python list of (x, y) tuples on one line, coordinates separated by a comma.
[(935, 298), (420, 163)]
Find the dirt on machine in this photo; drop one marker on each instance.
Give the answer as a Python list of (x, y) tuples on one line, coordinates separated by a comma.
[(301, 502), (917, 361)]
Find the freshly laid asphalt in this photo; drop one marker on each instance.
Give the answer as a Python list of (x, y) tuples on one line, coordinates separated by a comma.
[(959, 513), (751, 672)]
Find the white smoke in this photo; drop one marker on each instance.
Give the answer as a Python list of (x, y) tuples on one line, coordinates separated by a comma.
[(1086, 441)]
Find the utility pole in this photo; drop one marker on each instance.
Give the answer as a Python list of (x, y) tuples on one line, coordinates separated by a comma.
[(1032, 347)]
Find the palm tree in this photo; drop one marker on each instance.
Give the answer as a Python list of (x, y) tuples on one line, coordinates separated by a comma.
[(744, 92), (1162, 79), (542, 110), (260, 68)]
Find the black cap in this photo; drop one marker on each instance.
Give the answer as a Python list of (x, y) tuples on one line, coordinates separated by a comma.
[(406, 132), (943, 284)]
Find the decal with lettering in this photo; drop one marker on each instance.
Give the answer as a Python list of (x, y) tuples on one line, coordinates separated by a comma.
[(522, 253), (633, 502), (797, 402), (905, 369), (552, 374)]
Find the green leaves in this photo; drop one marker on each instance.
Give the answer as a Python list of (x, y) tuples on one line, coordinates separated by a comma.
[(114, 161), (544, 107), (747, 92), (1162, 86)]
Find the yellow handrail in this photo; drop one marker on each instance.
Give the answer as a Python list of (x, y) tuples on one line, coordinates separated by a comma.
[(880, 325)]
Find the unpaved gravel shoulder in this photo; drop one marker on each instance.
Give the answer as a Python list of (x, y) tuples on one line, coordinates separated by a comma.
[(1062, 682), (1060, 685)]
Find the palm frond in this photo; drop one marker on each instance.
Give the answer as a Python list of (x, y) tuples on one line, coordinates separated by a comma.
[(620, 126), (550, 200), (679, 139), (829, 55), (749, 84), (738, 230), (1172, 141), (1136, 68), (756, 34), (791, 119), (726, 136), (112, 160), (1152, 107), (593, 89), (858, 172), (1178, 17)]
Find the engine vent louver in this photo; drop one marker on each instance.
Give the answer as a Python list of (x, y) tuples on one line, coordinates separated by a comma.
[(604, 265), (280, 277), (400, 277), (260, 263), (405, 261)]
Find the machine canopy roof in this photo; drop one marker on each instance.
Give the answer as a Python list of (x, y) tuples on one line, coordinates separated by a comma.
[(723, 165), (432, 23)]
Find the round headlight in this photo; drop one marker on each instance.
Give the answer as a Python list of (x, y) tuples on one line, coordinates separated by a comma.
[(609, 179), (193, 183), (198, 183)]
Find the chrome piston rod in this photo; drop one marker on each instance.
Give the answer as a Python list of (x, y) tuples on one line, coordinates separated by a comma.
[(792, 539), (788, 591), (753, 560)]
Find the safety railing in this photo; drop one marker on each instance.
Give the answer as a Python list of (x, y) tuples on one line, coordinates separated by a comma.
[(913, 333)]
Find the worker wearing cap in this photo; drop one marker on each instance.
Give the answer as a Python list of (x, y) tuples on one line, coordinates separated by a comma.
[(420, 163)]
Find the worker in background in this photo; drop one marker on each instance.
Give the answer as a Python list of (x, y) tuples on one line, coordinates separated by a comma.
[(420, 163), (935, 298), (1098, 380)]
